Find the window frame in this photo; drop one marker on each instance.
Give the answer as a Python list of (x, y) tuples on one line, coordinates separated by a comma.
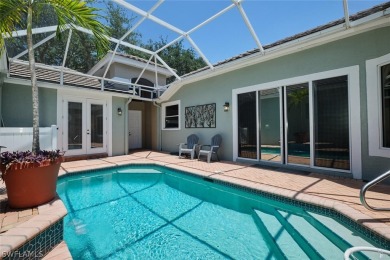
[(375, 106), (354, 112), (163, 114)]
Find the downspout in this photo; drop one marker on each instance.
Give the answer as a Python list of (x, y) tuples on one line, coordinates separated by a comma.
[(158, 124), (126, 112), (3, 72)]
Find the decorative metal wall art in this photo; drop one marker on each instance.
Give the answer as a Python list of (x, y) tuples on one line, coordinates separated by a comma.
[(202, 116)]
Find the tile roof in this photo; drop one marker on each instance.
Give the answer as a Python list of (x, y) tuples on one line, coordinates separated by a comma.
[(132, 57)]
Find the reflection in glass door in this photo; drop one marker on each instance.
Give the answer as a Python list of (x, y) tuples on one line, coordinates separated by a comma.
[(95, 126), (75, 126), (270, 121), (303, 124), (297, 124), (331, 123), (247, 125), (85, 126)]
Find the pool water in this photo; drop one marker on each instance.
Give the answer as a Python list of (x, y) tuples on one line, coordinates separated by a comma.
[(155, 213), (341, 155)]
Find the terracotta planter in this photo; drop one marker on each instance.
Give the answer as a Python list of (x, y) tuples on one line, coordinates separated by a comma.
[(31, 184)]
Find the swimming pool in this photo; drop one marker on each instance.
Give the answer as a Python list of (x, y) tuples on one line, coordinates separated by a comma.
[(149, 212)]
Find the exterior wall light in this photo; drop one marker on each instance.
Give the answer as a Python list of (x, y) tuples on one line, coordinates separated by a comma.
[(119, 111), (226, 107)]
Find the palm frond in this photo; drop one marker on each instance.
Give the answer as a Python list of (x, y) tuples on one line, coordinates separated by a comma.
[(75, 12), (11, 14)]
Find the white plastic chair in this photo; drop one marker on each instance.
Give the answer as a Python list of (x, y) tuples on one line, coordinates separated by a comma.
[(189, 147), (214, 147)]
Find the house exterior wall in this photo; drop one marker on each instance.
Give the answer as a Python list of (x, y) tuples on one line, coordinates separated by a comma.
[(118, 126), (124, 71), (16, 106), (351, 51)]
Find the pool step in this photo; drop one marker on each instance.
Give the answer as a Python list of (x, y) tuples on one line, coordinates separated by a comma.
[(268, 237), (37, 236), (60, 252), (296, 234), (284, 236)]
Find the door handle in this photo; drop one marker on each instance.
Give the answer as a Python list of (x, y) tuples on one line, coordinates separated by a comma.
[(129, 133)]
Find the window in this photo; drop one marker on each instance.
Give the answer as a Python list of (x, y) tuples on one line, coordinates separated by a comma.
[(171, 115), (385, 87), (378, 106)]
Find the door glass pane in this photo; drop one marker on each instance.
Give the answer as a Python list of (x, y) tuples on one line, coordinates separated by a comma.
[(298, 124), (75, 125), (96, 126), (269, 108), (331, 123), (385, 72), (247, 128)]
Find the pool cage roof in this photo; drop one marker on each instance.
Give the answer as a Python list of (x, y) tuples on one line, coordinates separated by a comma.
[(154, 58)]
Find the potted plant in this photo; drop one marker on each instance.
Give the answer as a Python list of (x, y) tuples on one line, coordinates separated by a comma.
[(30, 178), (22, 171)]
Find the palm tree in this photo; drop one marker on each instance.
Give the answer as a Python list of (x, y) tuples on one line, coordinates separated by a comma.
[(13, 14)]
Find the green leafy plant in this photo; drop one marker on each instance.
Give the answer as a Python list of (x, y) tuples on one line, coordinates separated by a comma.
[(7, 159)]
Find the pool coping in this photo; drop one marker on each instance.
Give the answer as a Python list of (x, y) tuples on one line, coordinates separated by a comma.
[(379, 232), (48, 215)]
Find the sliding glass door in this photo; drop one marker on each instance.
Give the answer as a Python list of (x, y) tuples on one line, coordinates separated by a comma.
[(297, 124), (270, 122), (331, 123), (247, 125), (301, 124)]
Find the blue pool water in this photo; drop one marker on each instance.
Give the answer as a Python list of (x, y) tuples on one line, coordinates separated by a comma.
[(155, 213), (342, 155)]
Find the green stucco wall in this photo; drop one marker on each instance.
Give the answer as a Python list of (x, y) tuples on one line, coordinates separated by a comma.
[(16, 106), (347, 52), (118, 126)]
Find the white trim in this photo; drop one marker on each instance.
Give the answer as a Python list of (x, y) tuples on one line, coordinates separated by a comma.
[(284, 126), (354, 110), (311, 122), (355, 125), (258, 126), (163, 106), (109, 126), (235, 124), (374, 106), (83, 96), (103, 104), (281, 126)]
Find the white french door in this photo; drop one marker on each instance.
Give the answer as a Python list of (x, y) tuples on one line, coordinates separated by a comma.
[(84, 122)]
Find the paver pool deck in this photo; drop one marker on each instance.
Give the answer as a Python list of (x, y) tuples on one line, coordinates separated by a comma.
[(339, 193)]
